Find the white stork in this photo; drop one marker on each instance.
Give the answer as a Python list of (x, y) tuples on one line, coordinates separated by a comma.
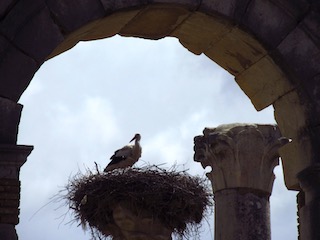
[(126, 156)]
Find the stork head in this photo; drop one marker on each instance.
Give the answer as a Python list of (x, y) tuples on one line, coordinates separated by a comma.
[(136, 137)]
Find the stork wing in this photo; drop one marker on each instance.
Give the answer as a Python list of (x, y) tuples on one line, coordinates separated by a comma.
[(123, 152)]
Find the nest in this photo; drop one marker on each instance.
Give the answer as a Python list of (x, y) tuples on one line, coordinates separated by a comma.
[(179, 201)]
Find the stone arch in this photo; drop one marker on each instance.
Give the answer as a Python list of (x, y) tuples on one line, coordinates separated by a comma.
[(264, 44)]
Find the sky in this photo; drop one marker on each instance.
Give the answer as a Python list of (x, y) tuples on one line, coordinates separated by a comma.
[(89, 101)]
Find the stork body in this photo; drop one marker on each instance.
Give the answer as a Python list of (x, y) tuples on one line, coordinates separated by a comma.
[(126, 156)]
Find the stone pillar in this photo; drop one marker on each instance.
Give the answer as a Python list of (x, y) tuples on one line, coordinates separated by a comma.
[(129, 226), (309, 203), (242, 157), (12, 157)]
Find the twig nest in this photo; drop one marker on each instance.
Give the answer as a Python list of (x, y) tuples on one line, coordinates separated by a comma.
[(149, 199)]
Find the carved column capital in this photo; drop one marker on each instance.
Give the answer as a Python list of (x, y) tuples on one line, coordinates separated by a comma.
[(241, 155)]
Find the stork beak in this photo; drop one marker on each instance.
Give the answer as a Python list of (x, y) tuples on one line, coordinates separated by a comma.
[(133, 138)]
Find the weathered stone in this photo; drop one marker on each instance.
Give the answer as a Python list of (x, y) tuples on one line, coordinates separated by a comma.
[(8, 232), (39, 36), (295, 157), (129, 226), (106, 27), (9, 203), (109, 26), (16, 71), (233, 9), (12, 157), (4, 44), (295, 8), (241, 216), (155, 22), (9, 121), (290, 114), (189, 4), (20, 14), (264, 82), (295, 49), (5, 6), (311, 25), (199, 31), (241, 155), (242, 158), (236, 51), (270, 23), (309, 212), (71, 14), (114, 5)]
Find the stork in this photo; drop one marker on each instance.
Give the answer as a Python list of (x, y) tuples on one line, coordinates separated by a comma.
[(126, 156)]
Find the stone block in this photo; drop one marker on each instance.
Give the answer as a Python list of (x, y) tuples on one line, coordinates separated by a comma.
[(9, 203), (232, 9), (16, 71), (20, 14), (311, 24), (10, 113), (295, 157), (189, 4), (199, 31), (155, 22), (8, 232), (301, 54), (295, 8), (290, 114), (269, 23), (72, 14), (236, 51), (9, 219), (39, 37), (109, 26), (264, 83), (5, 6), (313, 88), (114, 5), (102, 28), (4, 44)]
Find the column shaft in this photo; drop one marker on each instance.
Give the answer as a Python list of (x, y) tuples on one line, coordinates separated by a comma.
[(241, 215)]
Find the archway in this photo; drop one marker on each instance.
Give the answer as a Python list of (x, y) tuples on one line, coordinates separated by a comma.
[(262, 43)]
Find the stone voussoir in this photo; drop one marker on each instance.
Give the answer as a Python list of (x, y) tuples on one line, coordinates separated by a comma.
[(198, 32), (295, 49), (72, 14), (16, 71), (39, 37), (236, 51), (264, 82), (18, 16), (5, 6), (268, 22), (232, 9), (164, 16)]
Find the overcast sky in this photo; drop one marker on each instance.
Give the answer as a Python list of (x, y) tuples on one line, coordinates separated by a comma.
[(85, 103)]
